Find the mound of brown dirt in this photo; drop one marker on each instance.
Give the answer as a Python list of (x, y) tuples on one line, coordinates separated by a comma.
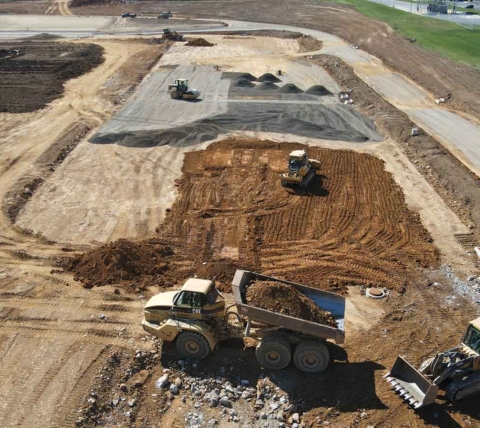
[(199, 43), (286, 300), (221, 271), (268, 77), (121, 261)]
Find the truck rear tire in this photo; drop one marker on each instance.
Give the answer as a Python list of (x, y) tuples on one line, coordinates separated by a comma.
[(274, 352), (311, 357), (192, 345)]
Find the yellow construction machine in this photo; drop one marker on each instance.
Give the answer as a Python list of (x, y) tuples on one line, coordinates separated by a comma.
[(456, 370), (197, 319), (301, 169), (181, 90)]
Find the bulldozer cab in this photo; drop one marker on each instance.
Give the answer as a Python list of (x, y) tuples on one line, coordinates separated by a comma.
[(472, 336), (298, 158), (198, 299)]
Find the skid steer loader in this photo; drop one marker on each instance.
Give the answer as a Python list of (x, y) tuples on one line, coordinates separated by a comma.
[(301, 169), (456, 370), (180, 90)]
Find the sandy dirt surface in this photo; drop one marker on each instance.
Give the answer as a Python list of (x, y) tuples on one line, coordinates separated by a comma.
[(145, 161), (353, 394), (364, 221)]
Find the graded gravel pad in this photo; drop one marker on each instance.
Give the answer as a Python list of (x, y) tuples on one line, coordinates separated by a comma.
[(267, 86), (286, 300), (315, 120)]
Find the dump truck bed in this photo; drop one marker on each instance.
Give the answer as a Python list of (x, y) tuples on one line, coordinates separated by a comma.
[(331, 302)]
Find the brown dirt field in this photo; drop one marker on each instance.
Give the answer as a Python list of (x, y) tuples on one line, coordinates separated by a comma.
[(458, 186), (32, 74), (351, 227), (438, 75), (286, 300)]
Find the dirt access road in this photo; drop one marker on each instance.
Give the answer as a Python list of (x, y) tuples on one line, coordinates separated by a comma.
[(52, 342)]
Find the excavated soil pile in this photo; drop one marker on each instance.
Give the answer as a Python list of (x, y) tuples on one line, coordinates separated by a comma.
[(133, 264), (318, 90), (199, 43), (221, 271), (268, 77), (290, 88), (34, 74), (241, 82), (267, 86), (350, 227), (286, 300)]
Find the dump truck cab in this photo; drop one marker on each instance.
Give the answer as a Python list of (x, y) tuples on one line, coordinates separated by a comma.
[(198, 299)]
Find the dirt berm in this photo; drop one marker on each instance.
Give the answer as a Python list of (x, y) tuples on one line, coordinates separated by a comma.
[(286, 300), (199, 43)]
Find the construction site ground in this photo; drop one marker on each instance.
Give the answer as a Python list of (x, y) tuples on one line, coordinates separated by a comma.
[(108, 160)]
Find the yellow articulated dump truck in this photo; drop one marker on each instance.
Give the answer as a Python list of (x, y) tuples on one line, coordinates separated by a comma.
[(197, 318)]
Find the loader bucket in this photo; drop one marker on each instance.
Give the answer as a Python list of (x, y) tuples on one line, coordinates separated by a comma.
[(412, 386)]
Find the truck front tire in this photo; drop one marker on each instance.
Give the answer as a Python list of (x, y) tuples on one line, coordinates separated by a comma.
[(311, 357), (192, 345), (274, 352)]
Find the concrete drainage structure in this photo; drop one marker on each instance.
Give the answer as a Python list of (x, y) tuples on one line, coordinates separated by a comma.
[(376, 293)]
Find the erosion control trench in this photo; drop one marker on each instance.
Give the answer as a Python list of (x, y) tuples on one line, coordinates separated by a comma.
[(351, 226)]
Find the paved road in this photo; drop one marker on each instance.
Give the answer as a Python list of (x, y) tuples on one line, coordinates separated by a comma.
[(401, 92)]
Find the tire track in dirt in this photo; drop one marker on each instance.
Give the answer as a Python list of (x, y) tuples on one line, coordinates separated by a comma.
[(351, 226)]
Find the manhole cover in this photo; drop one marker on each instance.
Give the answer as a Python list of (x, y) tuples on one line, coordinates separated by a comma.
[(376, 293)]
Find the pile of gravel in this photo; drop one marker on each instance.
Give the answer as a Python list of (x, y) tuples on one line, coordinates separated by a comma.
[(290, 88), (318, 90), (268, 77), (242, 82)]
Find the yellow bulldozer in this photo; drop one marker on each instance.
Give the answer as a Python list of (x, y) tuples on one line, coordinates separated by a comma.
[(301, 170), (456, 370)]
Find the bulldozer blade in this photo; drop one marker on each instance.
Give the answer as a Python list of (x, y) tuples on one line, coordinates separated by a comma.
[(412, 386)]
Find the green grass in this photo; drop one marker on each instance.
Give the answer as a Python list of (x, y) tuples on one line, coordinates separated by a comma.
[(446, 38)]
